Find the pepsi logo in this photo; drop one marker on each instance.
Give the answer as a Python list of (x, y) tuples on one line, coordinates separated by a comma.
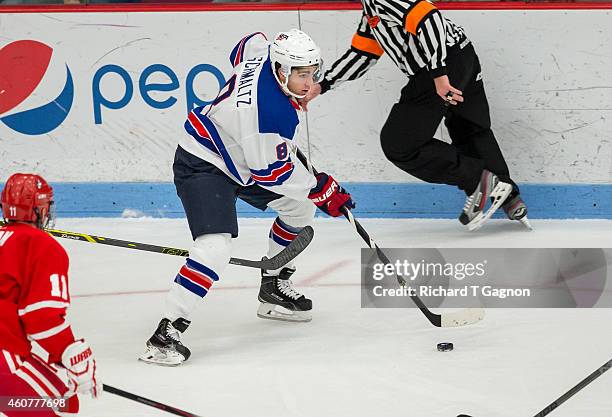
[(36, 87)]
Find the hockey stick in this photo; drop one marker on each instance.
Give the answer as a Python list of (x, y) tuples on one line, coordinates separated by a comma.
[(301, 241), (454, 319), (146, 401), (586, 381)]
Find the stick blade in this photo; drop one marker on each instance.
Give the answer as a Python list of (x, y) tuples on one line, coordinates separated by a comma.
[(463, 317), (301, 242)]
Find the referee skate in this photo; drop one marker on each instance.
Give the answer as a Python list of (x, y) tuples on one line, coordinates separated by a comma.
[(490, 188)]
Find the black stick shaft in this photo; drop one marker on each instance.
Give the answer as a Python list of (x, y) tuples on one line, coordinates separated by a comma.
[(300, 243), (433, 318), (83, 237), (586, 381), (146, 401)]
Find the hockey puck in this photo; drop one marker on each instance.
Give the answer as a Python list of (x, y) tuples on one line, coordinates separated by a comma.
[(445, 347)]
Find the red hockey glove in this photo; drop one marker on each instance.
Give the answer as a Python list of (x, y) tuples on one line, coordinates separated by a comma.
[(81, 366), (329, 196)]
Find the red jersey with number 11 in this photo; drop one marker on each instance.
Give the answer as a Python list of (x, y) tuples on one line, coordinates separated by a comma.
[(33, 292)]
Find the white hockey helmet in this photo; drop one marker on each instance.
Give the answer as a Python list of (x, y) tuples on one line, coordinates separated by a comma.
[(292, 49)]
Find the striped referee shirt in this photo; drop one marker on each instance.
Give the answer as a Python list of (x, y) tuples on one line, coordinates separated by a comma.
[(412, 32)]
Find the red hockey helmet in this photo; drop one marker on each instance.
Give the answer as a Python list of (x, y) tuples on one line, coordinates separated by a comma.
[(27, 198)]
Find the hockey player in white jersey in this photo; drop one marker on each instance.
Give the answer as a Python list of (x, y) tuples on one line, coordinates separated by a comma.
[(240, 147)]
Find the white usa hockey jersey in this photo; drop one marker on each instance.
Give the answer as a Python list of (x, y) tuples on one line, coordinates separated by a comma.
[(248, 130)]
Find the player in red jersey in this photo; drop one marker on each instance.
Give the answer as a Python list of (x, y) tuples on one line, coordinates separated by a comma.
[(33, 301)]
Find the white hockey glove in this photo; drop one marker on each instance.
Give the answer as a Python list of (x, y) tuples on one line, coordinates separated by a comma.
[(79, 361)]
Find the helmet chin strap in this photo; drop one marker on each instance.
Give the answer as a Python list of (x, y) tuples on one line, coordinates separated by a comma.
[(286, 90), (284, 85)]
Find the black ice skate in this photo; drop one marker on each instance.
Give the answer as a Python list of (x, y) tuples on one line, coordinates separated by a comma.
[(165, 347), (489, 187), (516, 209), (280, 301)]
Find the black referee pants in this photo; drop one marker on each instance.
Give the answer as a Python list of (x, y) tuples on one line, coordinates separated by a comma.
[(407, 136)]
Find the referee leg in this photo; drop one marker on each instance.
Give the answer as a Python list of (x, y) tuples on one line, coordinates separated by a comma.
[(469, 123), (407, 139)]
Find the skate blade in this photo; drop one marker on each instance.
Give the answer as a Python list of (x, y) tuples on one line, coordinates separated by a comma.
[(525, 222), (499, 194), (274, 312), (157, 356)]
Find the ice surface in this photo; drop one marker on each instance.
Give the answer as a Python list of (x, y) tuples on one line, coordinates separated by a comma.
[(348, 361)]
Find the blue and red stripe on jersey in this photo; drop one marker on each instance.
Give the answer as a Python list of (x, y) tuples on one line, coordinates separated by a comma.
[(196, 128), (237, 54), (196, 277), (204, 131), (275, 174), (282, 233)]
